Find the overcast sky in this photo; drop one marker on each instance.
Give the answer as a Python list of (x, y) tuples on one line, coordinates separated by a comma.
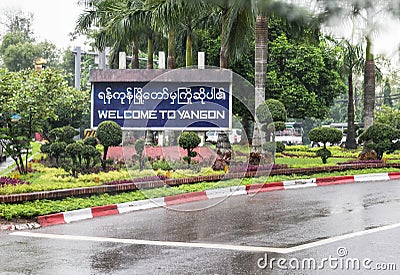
[(55, 19)]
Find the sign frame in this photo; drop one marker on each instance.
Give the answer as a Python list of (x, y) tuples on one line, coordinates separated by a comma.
[(195, 76)]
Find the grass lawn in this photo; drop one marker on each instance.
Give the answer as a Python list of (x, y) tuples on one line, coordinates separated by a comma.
[(309, 162)]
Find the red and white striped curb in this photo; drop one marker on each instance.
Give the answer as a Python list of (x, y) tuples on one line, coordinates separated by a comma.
[(99, 211)]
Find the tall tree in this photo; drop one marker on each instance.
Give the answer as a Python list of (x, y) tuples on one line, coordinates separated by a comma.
[(164, 19), (353, 63), (18, 21), (368, 12), (29, 99), (387, 90), (119, 24)]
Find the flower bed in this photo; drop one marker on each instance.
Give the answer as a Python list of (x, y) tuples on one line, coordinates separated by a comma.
[(6, 181)]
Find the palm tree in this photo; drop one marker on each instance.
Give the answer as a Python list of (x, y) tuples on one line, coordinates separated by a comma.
[(120, 23), (178, 18), (353, 62), (164, 19), (237, 21), (262, 10), (368, 11)]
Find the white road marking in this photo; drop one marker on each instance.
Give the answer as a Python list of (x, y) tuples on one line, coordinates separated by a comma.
[(342, 237), (243, 248), (157, 243)]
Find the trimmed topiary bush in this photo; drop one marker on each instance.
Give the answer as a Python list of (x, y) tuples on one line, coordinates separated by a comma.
[(189, 141), (381, 138), (64, 134), (324, 154), (109, 134), (90, 141), (280, 147), (139, 147), (57, 150), (325, 135)]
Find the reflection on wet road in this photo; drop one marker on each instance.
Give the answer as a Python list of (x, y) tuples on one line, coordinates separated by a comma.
[(310, 222)]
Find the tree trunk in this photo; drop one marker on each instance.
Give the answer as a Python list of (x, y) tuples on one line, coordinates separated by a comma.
[(261, 54), (223, 54), (103, 163), (135, 53), (351, 130), (150, 50), (171, 63), (189, 49), (369, 78)]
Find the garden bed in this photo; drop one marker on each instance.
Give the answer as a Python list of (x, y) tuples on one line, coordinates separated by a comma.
[(161, 181)]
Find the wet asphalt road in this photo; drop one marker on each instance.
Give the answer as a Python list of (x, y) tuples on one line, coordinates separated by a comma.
[(280, 219)]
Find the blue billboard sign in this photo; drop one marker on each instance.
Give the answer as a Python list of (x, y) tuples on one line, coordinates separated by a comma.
[(163, 105)]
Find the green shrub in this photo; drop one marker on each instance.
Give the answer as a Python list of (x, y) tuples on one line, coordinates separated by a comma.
[(139, 147), (381, 138), (280, 147), (161, 164), (325, 135), (57, 150), (274, 147), (324, 154), (90, 155), (90, 141), (109, 133), (271, 109), (64, 134), (45, 148), (189, 141)]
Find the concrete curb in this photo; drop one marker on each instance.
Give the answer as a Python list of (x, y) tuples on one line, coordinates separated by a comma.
[(107, 210)]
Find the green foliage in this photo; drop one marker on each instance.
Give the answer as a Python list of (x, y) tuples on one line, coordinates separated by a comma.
[(57, 150), (388, 115), (324, 154), (139, 147), (22, 55), (64, 134), (274, 147), (33, 98), (325, 135), (189, 141), (272, 109), (279, 126), (304, 77), (90, 141), (71, 110), (45, 148), (74, 151), (109, 133), (161, 164), (280, 147), (90, 153), (381, 138)]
